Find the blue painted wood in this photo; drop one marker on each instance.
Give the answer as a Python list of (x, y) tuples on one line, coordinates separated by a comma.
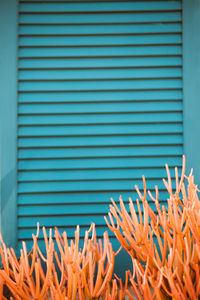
[(120, 62), (96, 7), (75, 209), (8, 121), (83, 186), (191, 80), (65, 221), (101, 96), (99, 40), (99, 163), (101, 85), (99, 130), (65, 218), (100, 18), (92, 74), (120, 173), (137, 50), (104, 152), (106, 140), (100, 104), (99, 29), (101, 118), (75, 198), (106, 107)]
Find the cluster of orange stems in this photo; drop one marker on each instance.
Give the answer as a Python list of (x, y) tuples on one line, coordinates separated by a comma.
[(164, 245)]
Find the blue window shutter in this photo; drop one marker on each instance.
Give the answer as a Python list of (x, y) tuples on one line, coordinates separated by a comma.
[(100, 104)]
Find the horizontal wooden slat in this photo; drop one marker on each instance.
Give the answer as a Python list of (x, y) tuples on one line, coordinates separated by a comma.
[(90, 174), (26, 234), (61, 221), (138, 117), (98, 163), (95, 141), (99, 7), (100, 85), (99, 130), (103, 96), (100, 152), (99, 62), (100, 40), (73, 186), (86, 108), (138, 17), (99, 74), (83, 209), (76, 198), (59, 52), (99, 29)]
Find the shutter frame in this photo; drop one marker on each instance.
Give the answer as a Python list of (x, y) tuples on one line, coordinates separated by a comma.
[(8, 121), (191, 82), (88, 100)]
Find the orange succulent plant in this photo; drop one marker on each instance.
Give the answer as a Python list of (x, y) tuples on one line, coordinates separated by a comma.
[(164, 244), (26, 279)]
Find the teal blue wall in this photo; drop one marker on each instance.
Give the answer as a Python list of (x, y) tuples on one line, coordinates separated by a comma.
[(8, 120), (191, 85)]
